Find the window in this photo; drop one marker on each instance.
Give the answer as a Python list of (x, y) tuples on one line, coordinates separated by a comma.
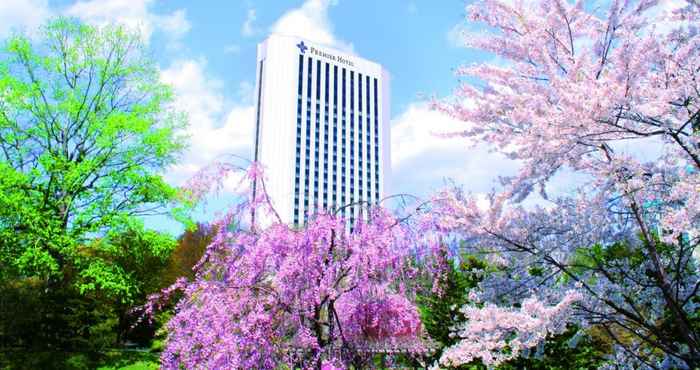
[(376, 137), (300, 80), (326, 81), (317, 126), (308, 132), (359, 92), (343, 129), (318, 81)]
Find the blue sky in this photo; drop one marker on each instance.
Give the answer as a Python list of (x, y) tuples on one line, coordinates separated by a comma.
[(206, 50)]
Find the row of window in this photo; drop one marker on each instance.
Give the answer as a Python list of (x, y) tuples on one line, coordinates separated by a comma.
[(363, 192)]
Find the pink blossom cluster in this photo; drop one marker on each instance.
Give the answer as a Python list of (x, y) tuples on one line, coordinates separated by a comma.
[(263, 294), (591, 93), (577, 85), (574, 88), (388, 319), (494, 334)]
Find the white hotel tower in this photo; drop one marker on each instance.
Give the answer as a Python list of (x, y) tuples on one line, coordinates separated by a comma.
[(322, 128)]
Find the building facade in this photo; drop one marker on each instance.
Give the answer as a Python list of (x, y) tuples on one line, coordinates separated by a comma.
[(321, 130)]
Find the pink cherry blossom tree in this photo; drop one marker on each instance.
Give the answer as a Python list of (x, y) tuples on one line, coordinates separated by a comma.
[(309, 296), (574, 86), (494, 334)]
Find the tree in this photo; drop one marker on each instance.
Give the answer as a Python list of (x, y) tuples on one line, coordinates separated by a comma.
[(143, 256), (440, 309), (191, 246), (306, 296), (152, 273), (86, 129), (441, 313), (576, 84)]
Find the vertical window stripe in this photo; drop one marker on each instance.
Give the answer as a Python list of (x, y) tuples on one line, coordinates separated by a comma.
[(297, 174), (359, 137), (335, 136), (344, 147), (325, 140), (376, 142), (317, 133), (308, 137), (367, 136)]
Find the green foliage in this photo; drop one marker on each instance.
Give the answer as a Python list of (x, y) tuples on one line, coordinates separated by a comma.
[(86, 130), (78, 362), (50, 323), (570, 350), (129, 360), (67, 319), (190, 248), (108, 360), (440, 310), (124, 263)]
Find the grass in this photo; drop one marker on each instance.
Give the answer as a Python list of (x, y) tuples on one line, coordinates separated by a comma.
[(129, 360)]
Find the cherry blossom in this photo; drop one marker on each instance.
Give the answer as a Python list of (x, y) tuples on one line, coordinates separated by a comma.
[(574, 88), (265, 295), (495, 334)]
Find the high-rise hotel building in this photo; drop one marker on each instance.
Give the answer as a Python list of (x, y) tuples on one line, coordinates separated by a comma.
[(322, 128)]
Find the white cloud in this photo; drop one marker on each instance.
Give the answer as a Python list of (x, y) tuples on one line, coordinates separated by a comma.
[(216, 128), (174, 24), (456, 36), (28, 15), (232, 49), (311, 21), (135, 14), (246, 93), (221, 126), (248, 28), (423, 161), (661, 13), (22, 16)]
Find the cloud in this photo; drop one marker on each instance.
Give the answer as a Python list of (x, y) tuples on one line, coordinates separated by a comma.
[(219, 125), (662, 16), (310, 21), (232, 49), (22, 16), (28, 15), (246, 93), (174, 24), (248, 28), (457, 35), (423, 161), (217, 128), (135, 14)]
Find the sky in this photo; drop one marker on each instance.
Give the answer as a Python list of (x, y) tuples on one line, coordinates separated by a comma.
[(207, 50)]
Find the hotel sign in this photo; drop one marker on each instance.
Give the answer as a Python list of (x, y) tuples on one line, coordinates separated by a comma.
[(320, 53)]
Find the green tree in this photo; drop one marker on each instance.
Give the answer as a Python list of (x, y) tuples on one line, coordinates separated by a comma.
[(86, 132), (142, 255), (86, 129), (191, 246), (440, 310)]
